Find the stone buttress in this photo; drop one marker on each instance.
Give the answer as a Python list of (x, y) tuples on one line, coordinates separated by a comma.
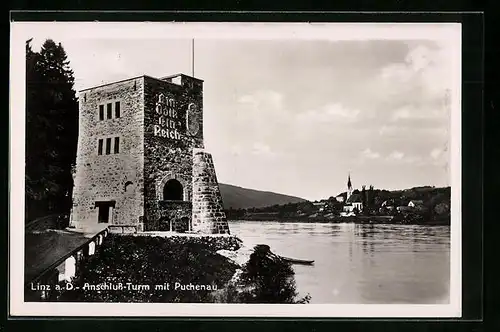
[(208, 213)]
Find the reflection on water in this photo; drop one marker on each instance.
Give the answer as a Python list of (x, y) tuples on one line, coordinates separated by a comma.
[(361, 263)]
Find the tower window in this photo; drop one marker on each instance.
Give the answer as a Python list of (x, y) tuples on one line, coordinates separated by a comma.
[(101, 112), (117, 109), (108, 145), (109, 110), (117, 145), (99, 147)]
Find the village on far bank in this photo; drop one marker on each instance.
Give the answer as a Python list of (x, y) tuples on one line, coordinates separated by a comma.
[(419, 205)]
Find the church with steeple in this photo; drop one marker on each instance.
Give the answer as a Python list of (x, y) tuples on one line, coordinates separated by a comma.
[(349, 187), (353, 202)]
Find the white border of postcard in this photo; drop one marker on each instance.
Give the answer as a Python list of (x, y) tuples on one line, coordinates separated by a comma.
[(20, 32)]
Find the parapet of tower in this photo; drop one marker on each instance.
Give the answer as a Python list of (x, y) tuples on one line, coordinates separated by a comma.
[(208, 212)]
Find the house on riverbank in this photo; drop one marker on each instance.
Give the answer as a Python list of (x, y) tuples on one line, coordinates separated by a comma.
[(416, 203), (353, 204)]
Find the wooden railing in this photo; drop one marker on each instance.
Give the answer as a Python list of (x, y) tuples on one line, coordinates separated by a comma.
[(70, 261)]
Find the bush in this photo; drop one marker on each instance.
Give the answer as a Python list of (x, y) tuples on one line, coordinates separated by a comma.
[(149, 261), (266, 278)]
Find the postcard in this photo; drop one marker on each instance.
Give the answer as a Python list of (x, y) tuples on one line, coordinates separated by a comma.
[(235, 169)]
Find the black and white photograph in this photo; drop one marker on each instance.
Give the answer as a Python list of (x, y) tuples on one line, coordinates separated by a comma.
[(227, 169)]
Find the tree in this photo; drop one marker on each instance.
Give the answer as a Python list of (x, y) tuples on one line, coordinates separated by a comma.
[(363, 198), (51, 130), (371, 197), (268, 279), (442, 208)]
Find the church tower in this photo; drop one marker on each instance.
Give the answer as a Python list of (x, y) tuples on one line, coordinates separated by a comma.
[(349, 187)]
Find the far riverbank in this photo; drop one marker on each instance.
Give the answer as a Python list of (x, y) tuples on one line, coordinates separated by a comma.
[(395, 220)]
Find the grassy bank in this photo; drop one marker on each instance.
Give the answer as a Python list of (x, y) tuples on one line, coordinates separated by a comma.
[(139, 264)]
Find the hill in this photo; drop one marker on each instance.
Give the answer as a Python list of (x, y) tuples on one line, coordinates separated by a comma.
[(242, 198), (432, 207)]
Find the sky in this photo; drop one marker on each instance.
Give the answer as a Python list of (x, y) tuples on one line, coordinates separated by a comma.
[(296, 116)]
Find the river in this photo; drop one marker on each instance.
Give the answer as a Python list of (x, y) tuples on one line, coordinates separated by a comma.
[(360, 263)]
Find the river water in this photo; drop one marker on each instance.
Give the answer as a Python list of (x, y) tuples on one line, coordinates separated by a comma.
[(360, 264)]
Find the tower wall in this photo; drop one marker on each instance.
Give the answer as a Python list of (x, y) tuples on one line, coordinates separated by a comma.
[(208, 212), (168, 148), (117, 176)]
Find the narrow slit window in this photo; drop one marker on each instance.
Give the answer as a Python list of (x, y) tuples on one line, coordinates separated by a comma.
[(108, 145), (117, 109), (109, 109), (99, 147), (101, 112), (117, 145)]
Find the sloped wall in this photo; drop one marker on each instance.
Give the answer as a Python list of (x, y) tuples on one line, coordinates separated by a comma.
[(208, 212)]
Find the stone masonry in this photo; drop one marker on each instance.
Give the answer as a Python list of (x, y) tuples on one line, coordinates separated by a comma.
[(208, 213), (119, 177), (166, 158), (136, 161)]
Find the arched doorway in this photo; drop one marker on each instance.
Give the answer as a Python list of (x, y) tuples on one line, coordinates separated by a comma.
[(172, 191)]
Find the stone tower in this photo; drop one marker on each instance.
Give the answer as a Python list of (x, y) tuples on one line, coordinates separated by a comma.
[(135, 160)]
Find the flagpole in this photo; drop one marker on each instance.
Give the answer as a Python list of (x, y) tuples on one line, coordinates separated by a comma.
[(192, 57)]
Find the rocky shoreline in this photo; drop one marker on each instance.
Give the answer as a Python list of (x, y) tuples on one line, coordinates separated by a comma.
[(262, 277)]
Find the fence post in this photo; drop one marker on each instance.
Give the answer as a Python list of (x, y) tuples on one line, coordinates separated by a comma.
[(69, 268), (91, 248)]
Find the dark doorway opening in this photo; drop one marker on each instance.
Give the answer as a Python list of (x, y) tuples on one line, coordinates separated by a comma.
[(172, 191), (165, 224), (104, 212), (185, 227), (103, 215)]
